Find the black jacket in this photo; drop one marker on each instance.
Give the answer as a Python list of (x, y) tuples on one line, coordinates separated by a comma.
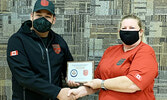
[(36, 69)]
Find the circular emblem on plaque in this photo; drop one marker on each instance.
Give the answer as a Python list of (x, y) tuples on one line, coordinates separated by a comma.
[(74, 73)]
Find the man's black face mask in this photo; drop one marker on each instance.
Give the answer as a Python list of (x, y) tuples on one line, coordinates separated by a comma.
[(42, 25), (129, 37)]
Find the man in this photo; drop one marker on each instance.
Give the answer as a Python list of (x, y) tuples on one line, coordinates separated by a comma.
[(37, 57)]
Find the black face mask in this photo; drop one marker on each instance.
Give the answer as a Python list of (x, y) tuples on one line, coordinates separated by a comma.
[(42, 25), (129, 37)]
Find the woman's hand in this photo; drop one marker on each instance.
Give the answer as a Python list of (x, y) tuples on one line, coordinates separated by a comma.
[(94, 84)]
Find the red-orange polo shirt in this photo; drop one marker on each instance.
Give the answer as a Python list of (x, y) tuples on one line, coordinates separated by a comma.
[(138, 64)]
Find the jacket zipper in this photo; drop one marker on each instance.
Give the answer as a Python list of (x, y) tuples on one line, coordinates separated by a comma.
[(48, 61), (49, 67)]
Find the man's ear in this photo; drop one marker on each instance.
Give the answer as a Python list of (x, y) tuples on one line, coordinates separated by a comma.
[(31, 16), (54, 19)]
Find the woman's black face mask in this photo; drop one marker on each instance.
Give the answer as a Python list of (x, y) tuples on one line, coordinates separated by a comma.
[(129, 37), (42, 25)]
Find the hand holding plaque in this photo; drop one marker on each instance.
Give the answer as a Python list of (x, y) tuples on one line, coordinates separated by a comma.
[(81, 72)]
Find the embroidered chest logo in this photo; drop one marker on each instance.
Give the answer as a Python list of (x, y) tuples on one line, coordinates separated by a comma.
[(120, 61), (56, 48)]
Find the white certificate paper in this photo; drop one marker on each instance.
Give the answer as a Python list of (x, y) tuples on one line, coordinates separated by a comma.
[(82, 71)]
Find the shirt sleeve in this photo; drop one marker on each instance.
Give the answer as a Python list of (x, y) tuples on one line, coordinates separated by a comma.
[(144, 68), (23, 73)]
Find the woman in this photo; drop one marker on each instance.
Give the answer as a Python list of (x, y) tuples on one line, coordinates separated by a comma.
[(126, 71)]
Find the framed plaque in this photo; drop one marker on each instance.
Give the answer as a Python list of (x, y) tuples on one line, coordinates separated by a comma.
[(81, 71)]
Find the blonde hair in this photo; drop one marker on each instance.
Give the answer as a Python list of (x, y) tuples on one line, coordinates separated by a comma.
[(139, 24), (132, 17)]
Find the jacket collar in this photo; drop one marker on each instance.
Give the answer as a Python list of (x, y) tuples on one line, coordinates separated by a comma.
[(26, 29)]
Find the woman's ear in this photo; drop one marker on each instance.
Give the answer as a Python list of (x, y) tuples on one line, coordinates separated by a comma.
[(141, 32)]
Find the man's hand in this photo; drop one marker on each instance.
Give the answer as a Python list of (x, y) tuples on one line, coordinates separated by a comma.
[(63, 94), (94, 84), (72, 83)]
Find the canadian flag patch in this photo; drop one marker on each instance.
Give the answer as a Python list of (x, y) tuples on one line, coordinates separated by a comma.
[(138, 77), (14, 53)]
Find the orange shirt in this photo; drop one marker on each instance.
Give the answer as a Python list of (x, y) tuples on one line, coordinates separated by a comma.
[(138, 64)]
